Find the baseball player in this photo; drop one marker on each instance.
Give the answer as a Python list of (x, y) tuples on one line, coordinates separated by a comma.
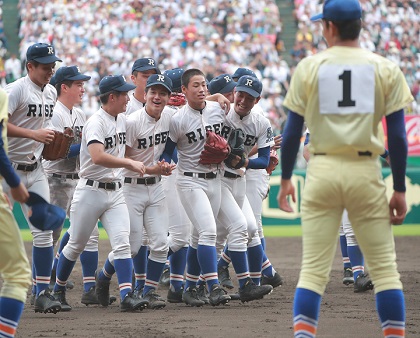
[(63, 173), (99, 193), (236, 218), (342, 93), (198, 185), (147, 132), (14, 265), (30, 108)]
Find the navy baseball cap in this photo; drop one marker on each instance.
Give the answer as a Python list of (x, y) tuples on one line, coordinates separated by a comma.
[(42, 53), (53, 81), (175, 75), (222, 84), (159, 79), (340, 10), (141, 65), (114, 83), (243, 71), (71, 73), (249, 84), (45, 216)]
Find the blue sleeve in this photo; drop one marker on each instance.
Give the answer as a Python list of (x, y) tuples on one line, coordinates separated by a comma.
[(168, 152), (261, 162), (175, 155), (74, 150), (397, 147), (6, 169), (307, 137), (290, 144)]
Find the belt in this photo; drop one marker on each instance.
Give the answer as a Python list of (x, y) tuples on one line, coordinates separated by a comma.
[(70, 176), (143, 180), (25, 167), (209, 175), (106, 186), (360, 153), (230, 175)]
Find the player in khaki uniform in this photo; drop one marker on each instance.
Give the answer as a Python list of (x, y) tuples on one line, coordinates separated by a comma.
[(342, 94), (30, 108), (14, 265)]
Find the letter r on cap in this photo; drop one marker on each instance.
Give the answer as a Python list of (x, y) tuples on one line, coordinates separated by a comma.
[(161, 78), (227, 79), (248, 82), (50, 50), (151, 62)]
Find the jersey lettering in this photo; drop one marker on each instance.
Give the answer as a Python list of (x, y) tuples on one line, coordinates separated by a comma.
[(111, 142), (160, 138), (250, 140), (198, 134), (36, 110)]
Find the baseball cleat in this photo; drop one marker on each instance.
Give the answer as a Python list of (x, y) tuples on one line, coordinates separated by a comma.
[(174, 296), (234, 296), (102, 290), (274, 281), (69, 285), (165, 277), (250, 291), (132, 303), (203, 294), (138, 291), (32, 299), (218, 296), (155, 301), (362, 283), (61, 297), (224, 277), (190, 297), (46, 303), (348, 276)]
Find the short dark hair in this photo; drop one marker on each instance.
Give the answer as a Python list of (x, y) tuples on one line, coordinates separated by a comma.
[(188, 74), (68, 83), (347, 30), (104, 98), (35, 63)]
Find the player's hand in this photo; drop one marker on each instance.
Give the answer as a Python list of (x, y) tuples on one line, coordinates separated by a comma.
[(166, 168), (224, 103), (19, 193), (277, 141), (397, 208), (286, 189), (137, 167), (43, 135)]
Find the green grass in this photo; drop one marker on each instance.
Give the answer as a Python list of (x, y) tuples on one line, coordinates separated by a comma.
[(277, 231)]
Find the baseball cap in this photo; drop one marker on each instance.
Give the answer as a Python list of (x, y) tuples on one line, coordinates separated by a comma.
[(243, 71), (71, 73), (175, 75), (340, 10), (114, 83), (222, 84), (42, 53), (53, 81), (159, 79), (45, 216), (249, 84), (143, 64)]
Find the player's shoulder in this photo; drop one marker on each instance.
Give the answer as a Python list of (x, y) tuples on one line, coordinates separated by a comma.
[(213, 105), (17, 86)]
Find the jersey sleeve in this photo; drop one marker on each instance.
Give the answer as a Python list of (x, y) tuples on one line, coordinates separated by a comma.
[(296, 97), (94, 131), (15, 95), (266, 137), (174, 129), (131, 134)]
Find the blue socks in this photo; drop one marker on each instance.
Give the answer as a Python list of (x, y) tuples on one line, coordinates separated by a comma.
[(140, 266), (89, 260), (193, 268), (356, 260), (64, 269), (225, 259), (10, 312), (343, 247), (390, 305), (207, 258), (42, 258), (306, 307), (154, 271), (124, 270), (178, 261), (63, 242), (255, 257), (240, 264)]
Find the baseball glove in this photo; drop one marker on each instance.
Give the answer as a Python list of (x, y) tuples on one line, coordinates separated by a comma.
[(60, 146), (215, 149), (274, 161), (236, 143), (177, 99)]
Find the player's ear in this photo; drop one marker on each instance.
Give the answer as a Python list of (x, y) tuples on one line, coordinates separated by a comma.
[(257, 99), (184, 89)]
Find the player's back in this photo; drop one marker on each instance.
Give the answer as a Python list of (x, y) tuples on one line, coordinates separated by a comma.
[(346, 93)]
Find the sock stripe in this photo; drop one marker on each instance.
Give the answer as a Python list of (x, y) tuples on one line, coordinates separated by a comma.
[(89, 279), (201, 278), (43, 279), (124, 286), (107, 275), (226, 258), (151, 283), (304, 326), (358, 268), (266, 264), (192, 278), (242, 275), (174, 276), (255, 274), (346, 260), (393, 328), (60, 282), (210, 276), (7, 330)]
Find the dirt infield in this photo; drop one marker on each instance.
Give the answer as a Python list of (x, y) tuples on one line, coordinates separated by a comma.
[(343, 313)]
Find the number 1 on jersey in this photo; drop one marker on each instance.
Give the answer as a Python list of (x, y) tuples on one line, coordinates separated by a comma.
[(346, 101)]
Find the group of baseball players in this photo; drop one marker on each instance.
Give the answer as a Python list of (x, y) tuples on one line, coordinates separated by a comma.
[(134, 166)]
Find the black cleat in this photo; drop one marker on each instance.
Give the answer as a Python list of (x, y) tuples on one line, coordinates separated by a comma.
[(155, 301), (203, 294), (61, 297), (132, 303), (224, 277), (362, 283), (165, 277), (348, 276), (274, 281), (174, 296), (190, 297), (218, 296), (46, 303), (250, 291), (90, 297), (102, 290)]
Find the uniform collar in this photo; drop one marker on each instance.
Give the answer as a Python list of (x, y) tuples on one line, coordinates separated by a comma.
[(236, 117), (106, 115), (64, 107), (196, 111), (134, 98), (34, 85)]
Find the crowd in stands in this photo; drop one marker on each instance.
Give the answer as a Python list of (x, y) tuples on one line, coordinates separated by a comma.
[(106, 36), (390, 28)]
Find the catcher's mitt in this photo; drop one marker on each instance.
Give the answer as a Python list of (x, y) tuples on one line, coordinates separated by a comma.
[(215, 149), (274, 161), (177, 99), (237, 148), (60, 146)]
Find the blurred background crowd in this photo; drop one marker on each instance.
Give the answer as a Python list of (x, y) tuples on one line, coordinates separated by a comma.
[(105, 37)]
